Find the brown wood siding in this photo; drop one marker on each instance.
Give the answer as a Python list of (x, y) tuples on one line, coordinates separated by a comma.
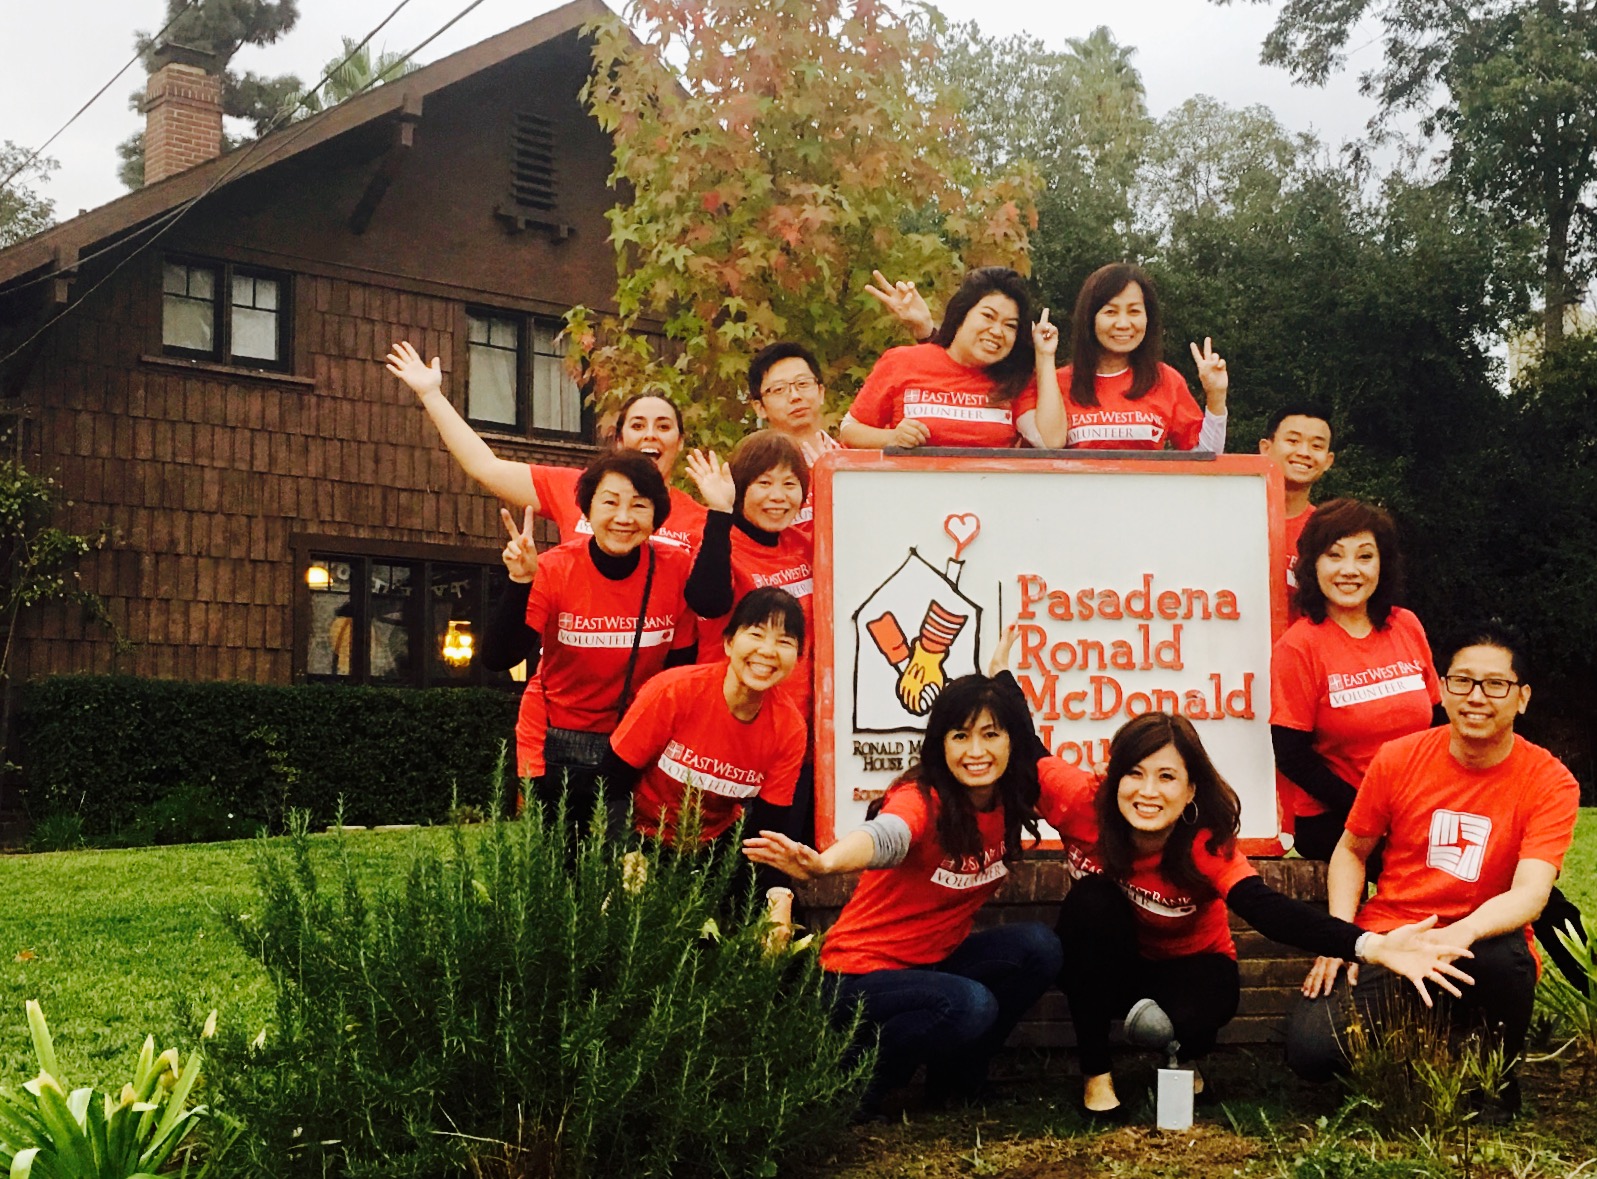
[(199, 475)]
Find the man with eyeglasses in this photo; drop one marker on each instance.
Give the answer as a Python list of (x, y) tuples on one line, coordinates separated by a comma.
[(1475, 821), (786, 392)]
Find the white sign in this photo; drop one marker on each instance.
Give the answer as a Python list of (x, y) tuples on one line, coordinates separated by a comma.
[(1138, 585)]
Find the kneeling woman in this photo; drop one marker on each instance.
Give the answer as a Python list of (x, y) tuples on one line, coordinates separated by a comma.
[(716, 732), (937, 848), (1154, 855)]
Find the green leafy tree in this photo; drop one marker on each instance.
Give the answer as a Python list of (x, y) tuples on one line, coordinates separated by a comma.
[(353, 71), (222, 27), (37, 564), (23, 213), (775, 153), (1509, 83), (1079, 116)]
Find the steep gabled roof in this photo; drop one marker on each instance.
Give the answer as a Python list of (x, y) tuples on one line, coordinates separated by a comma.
[(129, 212)]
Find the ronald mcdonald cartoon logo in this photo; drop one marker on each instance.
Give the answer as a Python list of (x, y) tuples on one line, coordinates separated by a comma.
[(898, 677)]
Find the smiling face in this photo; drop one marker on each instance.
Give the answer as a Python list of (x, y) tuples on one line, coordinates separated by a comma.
[(977, 753), (988, 332), (790, 398), (1154, 792), (650, 428), (621, 515), (1301, 447), (761, 655), (1121, 324), (1348, 572), (773, 499), (1477, 719)]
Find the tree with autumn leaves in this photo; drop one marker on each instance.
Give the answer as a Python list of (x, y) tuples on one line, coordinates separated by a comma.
[(774, 154)]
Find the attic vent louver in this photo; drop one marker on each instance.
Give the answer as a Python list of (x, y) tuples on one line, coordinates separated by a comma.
[(532, 181)]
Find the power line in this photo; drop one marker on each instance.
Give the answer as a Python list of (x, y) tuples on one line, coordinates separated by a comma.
[(37, 152), (173, 216)]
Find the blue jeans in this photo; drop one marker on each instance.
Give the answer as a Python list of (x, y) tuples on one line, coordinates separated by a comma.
[(955, 1015)]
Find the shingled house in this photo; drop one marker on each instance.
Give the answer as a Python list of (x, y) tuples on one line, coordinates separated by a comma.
[(201, 368)]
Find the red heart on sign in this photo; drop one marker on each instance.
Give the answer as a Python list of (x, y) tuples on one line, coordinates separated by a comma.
[(962, 529)]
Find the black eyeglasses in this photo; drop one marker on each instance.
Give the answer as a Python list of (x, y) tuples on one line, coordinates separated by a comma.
[(1495, 687)]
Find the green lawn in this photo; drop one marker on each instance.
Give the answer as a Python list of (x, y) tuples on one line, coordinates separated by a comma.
[(119, 944)]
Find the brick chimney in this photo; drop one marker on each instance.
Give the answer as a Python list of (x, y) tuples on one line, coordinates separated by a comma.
[(182, 112)]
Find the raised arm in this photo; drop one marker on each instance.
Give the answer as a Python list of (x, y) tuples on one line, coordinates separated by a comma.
[(1053, 417), (905, 303), (506, 478)]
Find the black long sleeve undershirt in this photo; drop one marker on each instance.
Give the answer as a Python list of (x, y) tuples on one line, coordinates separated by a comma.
[(507, 639), (708, 592), (1291, 922), (1295, 757)]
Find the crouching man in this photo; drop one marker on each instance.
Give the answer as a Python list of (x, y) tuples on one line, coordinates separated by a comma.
[(1475, 822)]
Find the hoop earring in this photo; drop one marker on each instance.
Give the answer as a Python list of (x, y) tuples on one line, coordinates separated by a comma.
[(1190, 819)]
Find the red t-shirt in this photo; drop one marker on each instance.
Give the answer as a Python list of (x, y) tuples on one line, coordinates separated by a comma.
[(1454, 835), (788, 565), (1354, 695), (1171, 922), (1294, 529), (955, 402), (587, 623), (680, 731), (1167, 412), (557, 501), (917, 913), (803, 524)]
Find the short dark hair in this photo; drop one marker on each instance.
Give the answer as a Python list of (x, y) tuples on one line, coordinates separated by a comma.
[(1101, 286), (766, 357), (1332, 521), (768, 604), (627, 405), (1010, 374), (1219, 812), (638, 470), (762, 451), (1297, 409), (1489, 632)]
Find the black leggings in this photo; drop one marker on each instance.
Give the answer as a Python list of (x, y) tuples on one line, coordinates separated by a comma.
[(1103, 975)]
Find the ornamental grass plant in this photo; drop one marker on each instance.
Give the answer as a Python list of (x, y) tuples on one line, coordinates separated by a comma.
[(528, 1005)]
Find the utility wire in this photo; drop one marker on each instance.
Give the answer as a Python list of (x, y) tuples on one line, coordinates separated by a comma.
[(173, 216), (23, 167)]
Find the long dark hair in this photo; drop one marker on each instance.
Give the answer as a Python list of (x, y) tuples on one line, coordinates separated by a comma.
[(1219, 811), (1335, 520), (957, 707), (1010, 374), (1101, 286)]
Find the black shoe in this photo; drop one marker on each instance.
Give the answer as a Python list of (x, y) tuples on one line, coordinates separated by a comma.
[(1120, 1115)]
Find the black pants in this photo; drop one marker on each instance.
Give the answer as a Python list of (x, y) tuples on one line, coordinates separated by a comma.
[(1499, 1000), (1316, 839), (1103, 975)]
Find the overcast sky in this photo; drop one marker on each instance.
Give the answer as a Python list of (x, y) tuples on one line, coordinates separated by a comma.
[(54, 55)]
